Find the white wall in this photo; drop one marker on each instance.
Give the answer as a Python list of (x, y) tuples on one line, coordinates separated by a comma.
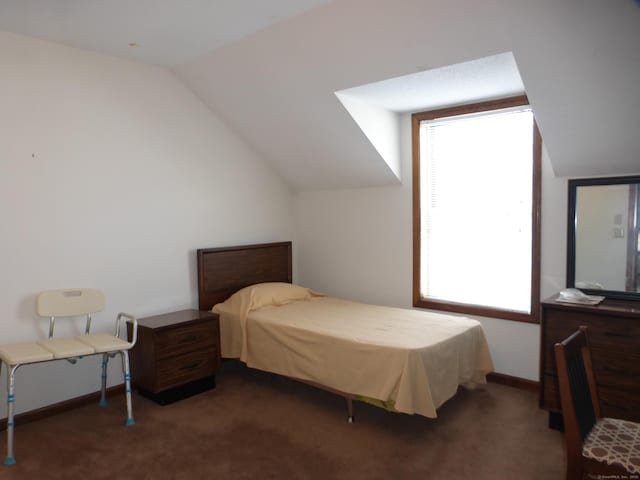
[(112, 173), (379, 125), (357, 244)]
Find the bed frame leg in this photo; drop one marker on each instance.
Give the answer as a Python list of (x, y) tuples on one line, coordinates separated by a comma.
[(349, 400)]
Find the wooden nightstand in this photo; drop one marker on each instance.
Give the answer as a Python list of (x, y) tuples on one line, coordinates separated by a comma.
[(177, 355)]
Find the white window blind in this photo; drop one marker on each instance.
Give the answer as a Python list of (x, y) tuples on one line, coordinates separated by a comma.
[(476, 209)]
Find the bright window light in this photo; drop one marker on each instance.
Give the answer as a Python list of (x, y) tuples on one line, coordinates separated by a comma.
[(476, 209)]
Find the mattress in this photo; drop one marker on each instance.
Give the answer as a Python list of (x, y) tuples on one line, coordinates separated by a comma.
[(413, 360)]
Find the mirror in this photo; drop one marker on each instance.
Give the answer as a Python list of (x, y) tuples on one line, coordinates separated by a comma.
[(603, 241)]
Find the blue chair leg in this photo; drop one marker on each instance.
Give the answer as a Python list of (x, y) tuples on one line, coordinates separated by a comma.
[(103, 391), (127, 386), (11, 370)]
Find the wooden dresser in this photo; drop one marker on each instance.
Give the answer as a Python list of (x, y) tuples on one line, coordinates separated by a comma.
[(177, 355), (614, 333)]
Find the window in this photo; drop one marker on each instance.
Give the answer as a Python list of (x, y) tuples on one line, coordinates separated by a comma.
[(476, 213)]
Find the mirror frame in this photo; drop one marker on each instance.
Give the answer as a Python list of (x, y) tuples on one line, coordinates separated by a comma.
[(571, 233)]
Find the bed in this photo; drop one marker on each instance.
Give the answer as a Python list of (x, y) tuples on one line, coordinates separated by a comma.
[(405, 360)]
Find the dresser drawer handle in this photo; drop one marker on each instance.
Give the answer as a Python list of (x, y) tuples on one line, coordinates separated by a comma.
[(189, 339), (619, 371), (191, 366), (617, 335), (618, 408)]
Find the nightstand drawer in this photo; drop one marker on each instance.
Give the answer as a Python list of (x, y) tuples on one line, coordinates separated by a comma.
[(184, 368), (185, 339), (177, 355)]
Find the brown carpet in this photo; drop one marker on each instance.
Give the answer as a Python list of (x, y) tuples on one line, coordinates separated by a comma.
[(260, 426)]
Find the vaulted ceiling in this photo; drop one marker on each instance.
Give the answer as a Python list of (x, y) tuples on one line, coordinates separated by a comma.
[(273, 73)]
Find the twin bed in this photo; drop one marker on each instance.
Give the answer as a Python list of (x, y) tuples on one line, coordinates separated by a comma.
[(404, 360)]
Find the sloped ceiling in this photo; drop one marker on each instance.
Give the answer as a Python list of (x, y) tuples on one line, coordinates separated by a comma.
[(271, 69), (161, 32), (579, 61), (375, 106)]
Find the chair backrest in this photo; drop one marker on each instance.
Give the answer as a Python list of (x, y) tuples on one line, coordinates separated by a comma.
[(70, 302), (580, 406)]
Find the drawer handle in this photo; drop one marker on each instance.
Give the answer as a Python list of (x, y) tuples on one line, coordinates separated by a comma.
[(189, 339), (617, 335), (619, 371), (191, 366), (619, 409)]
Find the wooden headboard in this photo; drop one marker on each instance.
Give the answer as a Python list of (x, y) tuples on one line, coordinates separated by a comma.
[(224, 271)]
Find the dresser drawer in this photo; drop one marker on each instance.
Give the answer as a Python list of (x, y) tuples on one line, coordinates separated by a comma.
[(187, 338), (550, 393), (618, 380), (605, 334), (615, 369), (614, 335), (603, 329), (619, 404), (180, 369)]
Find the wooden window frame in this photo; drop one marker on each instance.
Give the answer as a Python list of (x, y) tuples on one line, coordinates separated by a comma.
[(470, 309)]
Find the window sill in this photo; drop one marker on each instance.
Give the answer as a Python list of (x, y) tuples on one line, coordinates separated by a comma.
[(480, 311)]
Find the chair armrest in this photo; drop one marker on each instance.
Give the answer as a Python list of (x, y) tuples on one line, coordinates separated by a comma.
[(131, 319)]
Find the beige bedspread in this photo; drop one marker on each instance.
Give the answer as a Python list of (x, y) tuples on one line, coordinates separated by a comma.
[(414, 359)]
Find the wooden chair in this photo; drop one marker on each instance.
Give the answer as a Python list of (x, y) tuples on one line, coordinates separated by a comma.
[(597, 447)]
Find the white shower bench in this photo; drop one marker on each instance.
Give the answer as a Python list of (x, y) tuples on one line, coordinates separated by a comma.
[(69, 303)]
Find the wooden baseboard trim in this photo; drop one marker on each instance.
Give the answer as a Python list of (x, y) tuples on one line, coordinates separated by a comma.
[(65, 406), (516, 382)]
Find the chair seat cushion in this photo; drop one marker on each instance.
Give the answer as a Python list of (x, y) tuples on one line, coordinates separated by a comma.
[(21, 353), (103, 342), (66, 347), (614, 442)]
